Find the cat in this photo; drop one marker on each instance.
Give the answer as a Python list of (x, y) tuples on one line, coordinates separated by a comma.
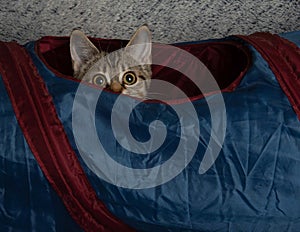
[(96, 66)]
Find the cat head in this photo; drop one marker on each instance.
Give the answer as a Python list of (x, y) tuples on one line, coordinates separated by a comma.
[(118, 71)]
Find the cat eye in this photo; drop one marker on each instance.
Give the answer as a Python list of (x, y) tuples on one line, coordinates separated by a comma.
[(129, 78), (99, 80)]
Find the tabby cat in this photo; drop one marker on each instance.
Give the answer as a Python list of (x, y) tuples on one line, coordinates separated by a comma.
[(98, 67)]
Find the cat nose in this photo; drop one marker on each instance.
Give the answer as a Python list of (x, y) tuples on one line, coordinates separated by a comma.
[(116, 87)]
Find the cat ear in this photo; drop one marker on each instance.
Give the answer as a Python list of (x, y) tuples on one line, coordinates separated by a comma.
[(142, 52), (81, 48)]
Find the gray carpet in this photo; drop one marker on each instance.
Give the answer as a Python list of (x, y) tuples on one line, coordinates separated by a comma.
[(170, 21)]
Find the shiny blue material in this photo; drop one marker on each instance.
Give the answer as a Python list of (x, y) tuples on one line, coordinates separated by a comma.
[(254, 185), (27, 201)]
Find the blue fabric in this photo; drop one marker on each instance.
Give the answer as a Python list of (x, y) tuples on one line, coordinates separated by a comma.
[(27, 201), (292, 36), (254, 184)]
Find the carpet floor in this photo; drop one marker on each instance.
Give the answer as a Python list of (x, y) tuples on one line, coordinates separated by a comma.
[(170, 21)]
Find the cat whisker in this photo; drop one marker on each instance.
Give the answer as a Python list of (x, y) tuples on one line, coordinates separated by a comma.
[(154, 95)]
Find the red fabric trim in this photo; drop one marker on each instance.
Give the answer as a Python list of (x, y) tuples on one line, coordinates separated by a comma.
[(283, 58), (45, 135)]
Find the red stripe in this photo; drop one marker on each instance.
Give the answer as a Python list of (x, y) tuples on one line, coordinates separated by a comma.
[(283, 58), (48, 141)]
